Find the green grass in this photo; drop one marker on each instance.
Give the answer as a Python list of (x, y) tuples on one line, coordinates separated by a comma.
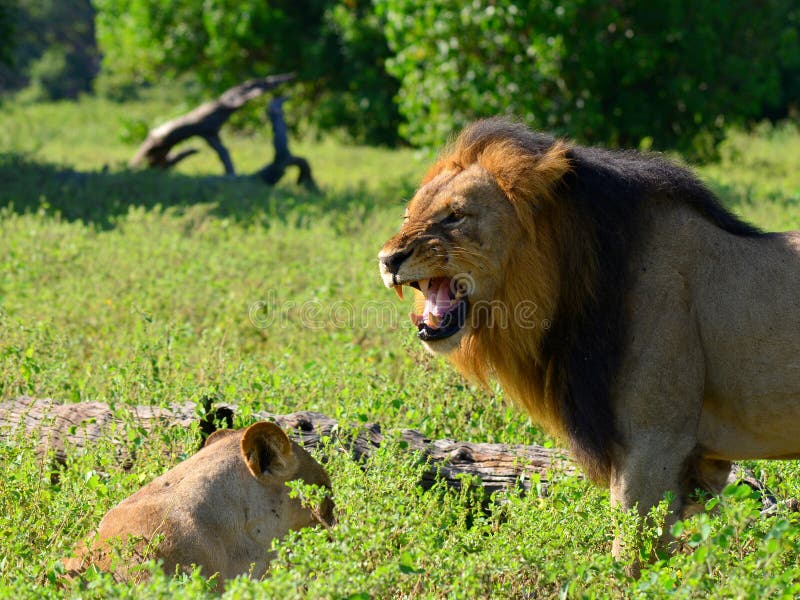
[(758, 174), (153, 288)]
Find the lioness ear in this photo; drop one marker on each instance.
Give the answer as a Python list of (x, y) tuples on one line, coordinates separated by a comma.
[(267, 451), (217, 436)]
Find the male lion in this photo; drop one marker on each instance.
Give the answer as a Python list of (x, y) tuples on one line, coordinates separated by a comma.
[(219, 509), (666, 338)]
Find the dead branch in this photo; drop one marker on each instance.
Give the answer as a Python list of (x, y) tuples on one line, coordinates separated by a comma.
[(273, 172), (204, 121)]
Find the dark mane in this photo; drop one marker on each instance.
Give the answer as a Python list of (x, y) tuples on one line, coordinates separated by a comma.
[(583, 207), (608, 190)]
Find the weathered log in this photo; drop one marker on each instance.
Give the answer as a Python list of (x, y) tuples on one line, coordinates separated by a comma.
[(204, 121), (496, 466)]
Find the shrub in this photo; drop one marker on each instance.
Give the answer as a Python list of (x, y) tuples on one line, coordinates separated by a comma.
[(50, 47)]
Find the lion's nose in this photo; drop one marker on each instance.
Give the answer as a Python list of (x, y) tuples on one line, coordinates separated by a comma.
[(392, 262)]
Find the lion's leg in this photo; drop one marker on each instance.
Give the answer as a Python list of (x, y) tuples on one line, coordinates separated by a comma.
[(707, 475), (680, 478), (692, 474), (644, 477), (711, 475), (657, 397)]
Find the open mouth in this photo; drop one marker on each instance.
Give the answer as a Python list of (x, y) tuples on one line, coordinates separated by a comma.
[(445, 309)]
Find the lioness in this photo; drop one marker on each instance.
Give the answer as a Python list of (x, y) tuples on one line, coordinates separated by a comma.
[(615, 299), (220, 509)]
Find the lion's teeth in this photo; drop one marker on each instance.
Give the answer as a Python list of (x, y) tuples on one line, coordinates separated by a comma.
[(424, 284), (399, 291)]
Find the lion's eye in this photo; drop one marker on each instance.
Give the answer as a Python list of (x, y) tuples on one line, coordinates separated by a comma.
[(452, 218)]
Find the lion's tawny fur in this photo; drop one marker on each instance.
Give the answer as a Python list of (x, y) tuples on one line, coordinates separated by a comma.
[(219, 509), (668, 330)]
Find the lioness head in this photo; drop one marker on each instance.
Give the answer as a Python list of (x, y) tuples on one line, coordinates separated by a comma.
[(465, 242), (219, 509)]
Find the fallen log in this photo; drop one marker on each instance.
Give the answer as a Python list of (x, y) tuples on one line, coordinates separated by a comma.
[(204, 121), (59, 427), (496, 467)]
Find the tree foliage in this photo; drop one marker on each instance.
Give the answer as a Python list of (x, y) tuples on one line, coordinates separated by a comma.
[(6, 31), (664, 73), (49, 46), (363, 101), (669, 73)]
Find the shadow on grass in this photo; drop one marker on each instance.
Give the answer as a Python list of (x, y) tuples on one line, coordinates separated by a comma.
[(100, 198)]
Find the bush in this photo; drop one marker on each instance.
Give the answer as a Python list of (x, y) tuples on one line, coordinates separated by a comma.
[(57, 74), (664, 73), (6, 31), (50, 47), (361, 94)]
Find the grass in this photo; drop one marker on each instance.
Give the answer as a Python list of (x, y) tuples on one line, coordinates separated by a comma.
[(153, 288)]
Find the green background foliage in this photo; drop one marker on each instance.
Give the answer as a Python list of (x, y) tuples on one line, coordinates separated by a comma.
[(663, 73), (50, 47), (6, 31), (337, 51)]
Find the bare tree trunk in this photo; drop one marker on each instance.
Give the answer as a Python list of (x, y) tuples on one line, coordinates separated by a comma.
[(204, 121)]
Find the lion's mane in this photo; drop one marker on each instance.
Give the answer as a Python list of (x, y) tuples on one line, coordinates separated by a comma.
[(581, 212)]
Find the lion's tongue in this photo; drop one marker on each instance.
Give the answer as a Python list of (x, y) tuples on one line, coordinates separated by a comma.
[(437, 301)]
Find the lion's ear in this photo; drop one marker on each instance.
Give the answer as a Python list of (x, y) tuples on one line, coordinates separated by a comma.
[(524, 176), (267, 451)]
